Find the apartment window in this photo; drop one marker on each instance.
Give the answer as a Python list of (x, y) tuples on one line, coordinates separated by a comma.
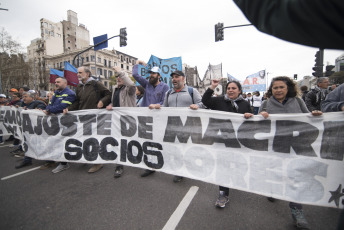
[(133, 61), (110, 73), (60, 64), (68, 41), (92, 67), (92, 57), (45, 24), (105, 73), (109, 64), (122, 66), (69, 48), (105, 62), (122, 59), (100, 71), (127, 60), (127, 67), (99, 60), (105, 83), (52, 33), (46, 31), (87, 59), (115, 63)]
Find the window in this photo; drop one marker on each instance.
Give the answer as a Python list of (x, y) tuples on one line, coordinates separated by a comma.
[(133, 61), (109, 64), (52, 33), (99, 60), (127, 60), (122, 59), (127, 67), (105, 83), (100, 71), (122, 66), (69, 48), (110, 73), (46, 31), (92, 57), (115, 63), (87, 59), (68, 41), (105, 62), (60, 64), (105, 73)]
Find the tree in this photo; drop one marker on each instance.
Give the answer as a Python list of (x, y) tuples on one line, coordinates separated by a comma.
[(7, 44), (337, 78)]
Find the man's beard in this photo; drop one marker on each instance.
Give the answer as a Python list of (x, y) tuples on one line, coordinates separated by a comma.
[(153, 80)]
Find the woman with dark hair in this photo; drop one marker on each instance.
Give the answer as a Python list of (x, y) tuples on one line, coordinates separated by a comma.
[(140, 91), (283, 98), (232, 102)]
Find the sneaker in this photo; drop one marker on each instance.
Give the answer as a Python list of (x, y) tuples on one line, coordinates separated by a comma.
[(299, 219), (47, 165), (1, 143), (95, 168), (118, 172), (15, 151), (222, 200), (177, 179), (60, 168), (147, 173), (23, 164), (19, 154)]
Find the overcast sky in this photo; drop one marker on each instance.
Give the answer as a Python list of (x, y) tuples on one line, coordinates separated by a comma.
[(171, 29)]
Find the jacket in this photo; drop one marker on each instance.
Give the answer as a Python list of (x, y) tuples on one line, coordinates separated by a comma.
[(87, 97), (182, 98), (317, 23), (334, 100), (61, 100), (219, 103), (292, 105), (34, 105), (127, 95), (314, 98)]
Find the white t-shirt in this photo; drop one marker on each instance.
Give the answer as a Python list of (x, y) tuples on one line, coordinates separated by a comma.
[(257, 101)]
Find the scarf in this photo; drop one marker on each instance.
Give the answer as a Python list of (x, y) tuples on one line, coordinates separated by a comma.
[(233, 101), (320, 94)]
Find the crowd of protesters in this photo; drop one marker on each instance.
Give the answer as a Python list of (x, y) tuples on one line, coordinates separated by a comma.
[(283, 96)]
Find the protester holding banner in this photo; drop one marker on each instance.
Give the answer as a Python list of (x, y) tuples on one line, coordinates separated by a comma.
[(61, 99), (90, 94), (180, 96), (29, 103), (124, 95), (334, 101), (155, 91), (283, 99), (232, 102)]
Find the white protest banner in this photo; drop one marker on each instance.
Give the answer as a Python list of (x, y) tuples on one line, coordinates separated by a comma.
[(294, 157), (11, 125)]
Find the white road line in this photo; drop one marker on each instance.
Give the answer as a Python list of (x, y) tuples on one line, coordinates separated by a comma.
[(179, 212), (17, 174)]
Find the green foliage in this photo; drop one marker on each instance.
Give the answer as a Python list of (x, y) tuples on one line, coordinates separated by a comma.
[(337, 77)]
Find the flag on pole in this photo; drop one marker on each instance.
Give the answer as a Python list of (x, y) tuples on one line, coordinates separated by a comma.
[(70, 73), (54, 73), (231, 78)]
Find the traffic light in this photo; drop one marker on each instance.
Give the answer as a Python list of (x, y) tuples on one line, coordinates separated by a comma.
[(329, 70), (123, 37), (295, 77), (318, 67), (219, 35)]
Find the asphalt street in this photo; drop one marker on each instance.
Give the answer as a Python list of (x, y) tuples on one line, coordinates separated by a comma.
[(75, 199)]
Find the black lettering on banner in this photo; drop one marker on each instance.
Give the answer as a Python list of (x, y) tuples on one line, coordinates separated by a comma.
[(174, 67), (104, 154), (143, 71), (10, 116), (9, 129), (158, 154), (284, 139), (18, 118), (87, 120), (248, 129), (332, 144), (220, 131), (175, 128), (124, 150), (78, 150), (138, 158), (165, 69), (145, 130), (54, 128), (27, 126), (91, 149), (104, 124), (38, 129), (128, 126), (69, 125)]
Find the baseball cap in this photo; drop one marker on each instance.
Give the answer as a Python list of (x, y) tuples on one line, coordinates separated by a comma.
[(2, 96), (32, 91), (14, 90), (155, 69), (177, 72)]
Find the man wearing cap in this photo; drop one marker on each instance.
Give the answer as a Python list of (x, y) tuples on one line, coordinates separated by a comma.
[(180, 96), (61, 99), (155, 91), (124, 95), (90, 94)]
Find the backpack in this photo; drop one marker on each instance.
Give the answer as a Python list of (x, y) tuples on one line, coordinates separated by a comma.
[(190, 90)]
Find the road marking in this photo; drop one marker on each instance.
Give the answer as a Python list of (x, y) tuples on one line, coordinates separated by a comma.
[(179, 212), (17, 174)]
